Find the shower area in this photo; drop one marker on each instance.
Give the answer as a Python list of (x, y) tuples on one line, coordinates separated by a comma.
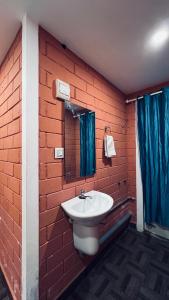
[(152, 123)]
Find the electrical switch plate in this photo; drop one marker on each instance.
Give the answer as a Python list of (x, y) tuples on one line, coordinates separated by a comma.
[(62, 90), (59, 152)]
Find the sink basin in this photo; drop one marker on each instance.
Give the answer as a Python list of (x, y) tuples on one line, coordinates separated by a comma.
[(86, 214), (88, 211)]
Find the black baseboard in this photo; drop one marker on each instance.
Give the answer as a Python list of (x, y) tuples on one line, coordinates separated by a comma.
[(132, 225)]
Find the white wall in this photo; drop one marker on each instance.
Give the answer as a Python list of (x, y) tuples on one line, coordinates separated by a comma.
[(30, 160), (139, 188)]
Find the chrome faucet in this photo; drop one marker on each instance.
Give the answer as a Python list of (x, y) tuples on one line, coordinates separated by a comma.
[(82, 195)]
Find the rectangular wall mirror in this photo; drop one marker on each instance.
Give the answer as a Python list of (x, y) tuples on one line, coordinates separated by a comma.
[(80, 150)]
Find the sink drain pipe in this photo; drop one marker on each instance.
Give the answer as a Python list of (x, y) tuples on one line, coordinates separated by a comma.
[(115, 228)]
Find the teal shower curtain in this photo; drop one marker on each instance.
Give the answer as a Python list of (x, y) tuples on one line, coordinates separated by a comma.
[(87, 144), (153, 133)]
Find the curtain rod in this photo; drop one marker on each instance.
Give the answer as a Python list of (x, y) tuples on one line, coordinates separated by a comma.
[(141, 97)]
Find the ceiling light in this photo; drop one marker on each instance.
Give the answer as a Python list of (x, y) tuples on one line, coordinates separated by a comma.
[(159, 38)]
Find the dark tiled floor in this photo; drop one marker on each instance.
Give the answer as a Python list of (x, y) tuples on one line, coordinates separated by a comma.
[(134, 267), (4, 292)]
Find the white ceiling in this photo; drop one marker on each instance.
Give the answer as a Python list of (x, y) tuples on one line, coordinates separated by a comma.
[(110, 35)]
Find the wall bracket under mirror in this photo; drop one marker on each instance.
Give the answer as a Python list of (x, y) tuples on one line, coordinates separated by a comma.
[(80, 150)]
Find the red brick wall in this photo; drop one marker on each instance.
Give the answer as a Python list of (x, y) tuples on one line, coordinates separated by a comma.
[(10, 166), (59, 261)]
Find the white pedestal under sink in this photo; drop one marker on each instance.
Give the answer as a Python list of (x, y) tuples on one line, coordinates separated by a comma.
[(86, 214)]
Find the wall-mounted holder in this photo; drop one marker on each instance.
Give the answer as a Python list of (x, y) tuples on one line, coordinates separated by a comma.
[(107, 130)]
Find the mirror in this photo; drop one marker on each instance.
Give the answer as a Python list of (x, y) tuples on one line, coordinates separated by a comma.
[(80, 153)]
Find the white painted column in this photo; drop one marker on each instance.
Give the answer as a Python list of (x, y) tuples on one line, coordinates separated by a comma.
[(139, 187), (30, 160)]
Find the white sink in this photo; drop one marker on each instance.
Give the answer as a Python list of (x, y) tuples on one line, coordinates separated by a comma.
[(88, 211), (86, 214)]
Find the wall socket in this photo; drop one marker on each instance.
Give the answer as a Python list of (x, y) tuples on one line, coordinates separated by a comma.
[(59, 153)]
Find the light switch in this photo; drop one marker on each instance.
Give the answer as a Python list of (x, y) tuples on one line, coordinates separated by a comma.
[(59, 153), (62, 90)]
